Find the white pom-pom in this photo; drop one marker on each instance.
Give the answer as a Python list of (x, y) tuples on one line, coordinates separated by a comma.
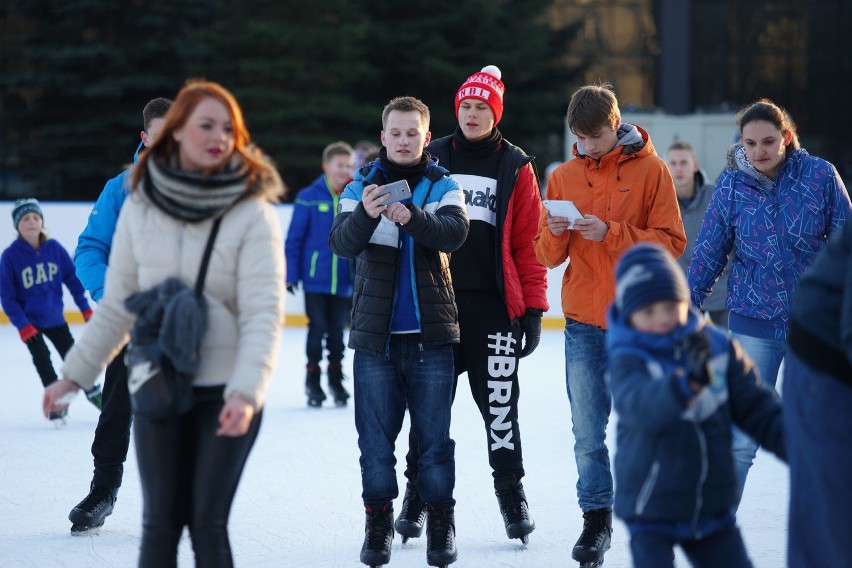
[(492, 70)]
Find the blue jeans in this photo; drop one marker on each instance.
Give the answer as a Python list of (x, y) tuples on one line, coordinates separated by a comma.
[(421, 378), (722, 548), (591, 402), (767, 355), (816, 411)]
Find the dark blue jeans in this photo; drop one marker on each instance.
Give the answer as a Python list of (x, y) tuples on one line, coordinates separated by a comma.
[(421, 378), (816, 414), (327, 316), (722, 548)]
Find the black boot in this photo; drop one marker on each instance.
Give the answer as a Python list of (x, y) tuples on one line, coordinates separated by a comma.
[(595, 538), (409, 523), (335, 383), (378, 535), (515, 511), (93, 509), (312, 386), (441, 535)]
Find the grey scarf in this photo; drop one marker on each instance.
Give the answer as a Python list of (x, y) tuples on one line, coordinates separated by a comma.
[(192, 196)]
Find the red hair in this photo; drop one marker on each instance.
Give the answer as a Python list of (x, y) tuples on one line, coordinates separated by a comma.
[(193, 92)]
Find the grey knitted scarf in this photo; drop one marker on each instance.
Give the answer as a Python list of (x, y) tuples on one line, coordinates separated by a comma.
[(192, 196)]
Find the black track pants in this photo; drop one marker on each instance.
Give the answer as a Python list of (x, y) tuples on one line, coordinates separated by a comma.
[(488, 352)]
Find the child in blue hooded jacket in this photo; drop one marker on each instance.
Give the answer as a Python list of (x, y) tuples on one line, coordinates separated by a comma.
[(678, 385), (32, 272)]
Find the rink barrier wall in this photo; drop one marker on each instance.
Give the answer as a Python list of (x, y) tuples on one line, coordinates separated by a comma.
[(64, 221)]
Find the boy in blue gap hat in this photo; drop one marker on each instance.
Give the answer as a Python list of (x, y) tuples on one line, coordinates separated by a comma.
[(678, 384), (32, 271)]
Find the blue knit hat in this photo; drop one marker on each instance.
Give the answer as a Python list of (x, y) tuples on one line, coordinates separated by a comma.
[(647, 273), (24, 206)]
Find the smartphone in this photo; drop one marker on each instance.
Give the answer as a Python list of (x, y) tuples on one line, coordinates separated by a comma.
[(396, 191)]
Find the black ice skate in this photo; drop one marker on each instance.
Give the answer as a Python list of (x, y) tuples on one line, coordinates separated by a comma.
[(409, 523), (441, 536), (594, 541), (90, 512), (515, 511), (378, 535), (312, 386), (335, 383)]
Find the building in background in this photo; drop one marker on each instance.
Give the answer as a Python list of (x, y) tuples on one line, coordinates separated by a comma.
[(681, 57)]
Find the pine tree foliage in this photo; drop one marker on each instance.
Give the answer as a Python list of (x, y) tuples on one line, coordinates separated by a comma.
[(75, 74)]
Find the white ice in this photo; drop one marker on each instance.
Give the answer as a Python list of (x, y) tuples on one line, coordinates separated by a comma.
[(298, 504)]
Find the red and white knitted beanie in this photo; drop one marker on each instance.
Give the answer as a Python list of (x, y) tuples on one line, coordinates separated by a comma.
[(484, 86)]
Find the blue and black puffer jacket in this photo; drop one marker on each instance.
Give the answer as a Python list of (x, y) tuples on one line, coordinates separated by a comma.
[(438, 226)]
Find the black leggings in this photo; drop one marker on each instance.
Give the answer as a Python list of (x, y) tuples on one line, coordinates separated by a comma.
[(61, 338), (189, 476)]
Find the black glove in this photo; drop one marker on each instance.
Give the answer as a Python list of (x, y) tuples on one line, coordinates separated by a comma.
[(696, 348), (531, 330), (292, 287)]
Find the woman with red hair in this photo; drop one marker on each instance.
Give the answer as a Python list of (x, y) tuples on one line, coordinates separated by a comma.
[(201, 170)]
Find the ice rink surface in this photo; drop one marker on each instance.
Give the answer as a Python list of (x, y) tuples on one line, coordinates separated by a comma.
[(298, 504)]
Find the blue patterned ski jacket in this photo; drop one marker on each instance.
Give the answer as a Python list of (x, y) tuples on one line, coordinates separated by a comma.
[(778, 227)]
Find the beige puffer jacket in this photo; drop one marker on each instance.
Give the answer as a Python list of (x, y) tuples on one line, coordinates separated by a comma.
[(244, 291)]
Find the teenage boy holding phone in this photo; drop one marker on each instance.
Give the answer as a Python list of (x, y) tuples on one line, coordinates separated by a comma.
[(500, 287), (404, 324)]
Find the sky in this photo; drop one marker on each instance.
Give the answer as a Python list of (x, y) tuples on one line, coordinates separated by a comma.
[(298, 504)]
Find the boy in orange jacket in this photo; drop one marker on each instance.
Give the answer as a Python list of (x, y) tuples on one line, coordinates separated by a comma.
[(625, 194)]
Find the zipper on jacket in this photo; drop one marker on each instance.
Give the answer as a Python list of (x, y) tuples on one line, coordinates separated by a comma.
[(314, 257), (335, 199), (702, 478), (647, 487)]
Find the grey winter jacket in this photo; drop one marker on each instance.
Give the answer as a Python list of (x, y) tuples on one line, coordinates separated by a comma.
[(692, 213)]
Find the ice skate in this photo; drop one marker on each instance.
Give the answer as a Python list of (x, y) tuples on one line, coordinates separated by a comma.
[(58, 418), (312, 386), (594, 541), (409, 523), (441, 536), (90, 513), (378, 535), (335, 383), (515, 511)]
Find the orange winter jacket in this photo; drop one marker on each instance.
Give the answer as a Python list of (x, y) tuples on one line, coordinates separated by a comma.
[(631, 190)]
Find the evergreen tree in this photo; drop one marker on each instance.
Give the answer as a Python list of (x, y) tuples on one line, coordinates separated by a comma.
[(91, 67)]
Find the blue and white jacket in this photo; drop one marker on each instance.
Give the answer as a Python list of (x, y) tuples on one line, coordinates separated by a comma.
[(93, 245), (31, 284), (778, 227), (383, 280), (309, 258), (674, 466)]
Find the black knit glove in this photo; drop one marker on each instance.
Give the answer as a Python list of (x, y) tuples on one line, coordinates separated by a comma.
[(292, 287), (531, 331), (696, 348)]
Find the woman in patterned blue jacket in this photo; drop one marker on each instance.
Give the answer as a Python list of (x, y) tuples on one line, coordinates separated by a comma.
[(776, 205)]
